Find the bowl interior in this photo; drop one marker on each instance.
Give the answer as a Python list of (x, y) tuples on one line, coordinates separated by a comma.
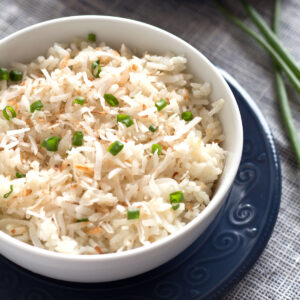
[(31, 42)]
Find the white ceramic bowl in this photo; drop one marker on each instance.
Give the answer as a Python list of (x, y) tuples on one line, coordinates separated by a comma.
[(25, 45)]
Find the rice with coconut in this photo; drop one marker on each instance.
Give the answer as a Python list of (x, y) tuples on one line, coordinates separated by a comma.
[(65, 184)]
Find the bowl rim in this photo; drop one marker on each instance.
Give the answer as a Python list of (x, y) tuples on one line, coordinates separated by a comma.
[(214, 202)]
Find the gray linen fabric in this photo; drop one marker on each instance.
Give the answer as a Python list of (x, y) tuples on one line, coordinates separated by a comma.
[(276, 275)]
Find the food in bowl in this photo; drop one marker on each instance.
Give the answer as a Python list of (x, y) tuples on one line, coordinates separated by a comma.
[(102, 151)]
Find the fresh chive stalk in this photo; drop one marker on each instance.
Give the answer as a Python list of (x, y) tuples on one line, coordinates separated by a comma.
[(282, 95), (272, 38), (277, 58)]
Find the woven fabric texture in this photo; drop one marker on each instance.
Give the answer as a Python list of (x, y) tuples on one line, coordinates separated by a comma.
[(276, 275)]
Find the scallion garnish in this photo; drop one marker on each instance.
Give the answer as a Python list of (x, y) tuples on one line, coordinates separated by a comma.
[(96, 69), (12, 112), (79, 100), (282, 59), (20, 175), (125, 119), (156, 148), (82, 220), (152, 128), (92, 37), (115, 148), (15, 75), (37, 105), (3, 74), (176, 198), (111, 99), (11, 188), (77, 139), (161, 104), (133, 213), (187, 116), (51, 143)]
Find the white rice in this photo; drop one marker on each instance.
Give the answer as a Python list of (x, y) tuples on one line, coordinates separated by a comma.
[(88, 182)]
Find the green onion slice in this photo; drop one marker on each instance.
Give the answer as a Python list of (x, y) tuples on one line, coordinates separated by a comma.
[(20, 175), (111, 99), (152, 128), (92, 37), (133, 213), (156, 147), (176, 198), (11, 190), (15, 75), (161, 104), (115, 148), (12, 112), (125, 119), (77, 138), (37, 105), (187, 116), (51, 143), (79, 100), (3, 74), (96, 69), (82, 220)]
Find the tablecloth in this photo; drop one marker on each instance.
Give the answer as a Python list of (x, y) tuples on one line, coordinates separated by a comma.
[(276, 275)]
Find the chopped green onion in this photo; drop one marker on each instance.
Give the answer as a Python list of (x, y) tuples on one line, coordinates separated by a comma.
[(82, 220), (51, 143), (125, 119), (133, 213), (12, 113), (161, 104), (92, 37), (3, 74), (79, 100), (96, 69), (156, 147), (115, 148), (37, 105), (77, 138), (176, 198), (11, 190), (15, 75), (187, 116), (20, 175), (152, 128), (111, 99)]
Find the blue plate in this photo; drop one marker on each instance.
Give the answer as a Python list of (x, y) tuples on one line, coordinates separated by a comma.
[(214, 263)]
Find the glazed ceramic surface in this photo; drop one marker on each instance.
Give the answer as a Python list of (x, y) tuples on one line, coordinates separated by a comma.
[(33, 41)]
